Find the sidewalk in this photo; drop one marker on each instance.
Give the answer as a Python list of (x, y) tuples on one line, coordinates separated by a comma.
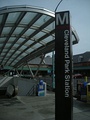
[(38, 108)]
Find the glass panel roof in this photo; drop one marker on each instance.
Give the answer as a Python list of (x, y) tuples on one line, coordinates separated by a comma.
[(26, 32), (49, 27), (18, 30), (29, 42), (39, 35), (11, 39), (37, 45), (20, 40), (42, 20), (30, 50), (1, 44), (28, 17), (12, 17), (6, 30), (7, 45), (4, 50), (29, 32), (2, 40)]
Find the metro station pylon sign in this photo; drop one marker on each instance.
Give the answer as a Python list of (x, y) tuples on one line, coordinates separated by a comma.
[(63, 67)]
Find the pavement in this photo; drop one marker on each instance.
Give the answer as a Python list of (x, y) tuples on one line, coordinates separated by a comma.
[(38, 108)]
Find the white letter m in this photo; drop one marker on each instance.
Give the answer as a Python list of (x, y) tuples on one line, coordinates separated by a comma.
[(60, 20)]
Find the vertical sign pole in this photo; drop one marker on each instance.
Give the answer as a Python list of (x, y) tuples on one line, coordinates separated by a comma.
[(63, 67)]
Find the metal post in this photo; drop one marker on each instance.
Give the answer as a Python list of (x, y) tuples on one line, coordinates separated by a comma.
[(53, 70), (39, 65), (30, 70), (21, 70), (17, 71)]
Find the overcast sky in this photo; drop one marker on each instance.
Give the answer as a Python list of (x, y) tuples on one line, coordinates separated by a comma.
[(80, 17)]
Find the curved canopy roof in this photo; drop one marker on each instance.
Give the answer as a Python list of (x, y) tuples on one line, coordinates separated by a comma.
[(25, 33)]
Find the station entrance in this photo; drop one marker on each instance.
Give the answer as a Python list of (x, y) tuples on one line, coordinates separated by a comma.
[(27, 32)]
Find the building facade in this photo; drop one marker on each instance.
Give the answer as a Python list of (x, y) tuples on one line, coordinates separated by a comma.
[(81, 64)]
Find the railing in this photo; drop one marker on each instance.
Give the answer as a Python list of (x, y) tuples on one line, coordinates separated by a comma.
[(3, 79), (49, 87), (32, 91)]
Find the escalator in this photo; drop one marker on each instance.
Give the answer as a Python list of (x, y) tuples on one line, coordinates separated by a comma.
[(8, 86)]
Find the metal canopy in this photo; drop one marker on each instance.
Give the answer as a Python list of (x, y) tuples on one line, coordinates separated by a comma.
[(26, 32)]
